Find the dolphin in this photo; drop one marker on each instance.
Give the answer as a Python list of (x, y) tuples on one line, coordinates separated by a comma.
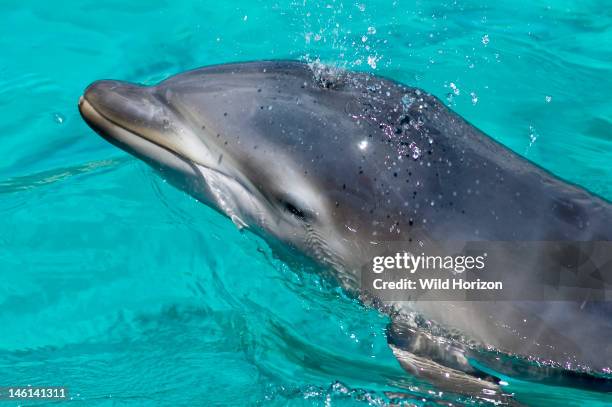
[(327, 163)]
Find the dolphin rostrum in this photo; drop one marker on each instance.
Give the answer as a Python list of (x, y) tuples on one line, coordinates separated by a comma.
[(332, 163)]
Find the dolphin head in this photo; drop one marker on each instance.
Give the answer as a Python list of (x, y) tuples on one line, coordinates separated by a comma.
[(253, 142)]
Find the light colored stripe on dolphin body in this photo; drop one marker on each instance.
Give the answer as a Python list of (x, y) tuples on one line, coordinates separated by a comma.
[(220, 188)]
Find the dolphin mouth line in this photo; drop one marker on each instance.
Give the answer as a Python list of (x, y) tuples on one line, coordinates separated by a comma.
[(97, 119), (99, 122), (94, 118)]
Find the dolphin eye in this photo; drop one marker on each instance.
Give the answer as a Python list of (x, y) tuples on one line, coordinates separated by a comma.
[(297, 212), (293, 209)]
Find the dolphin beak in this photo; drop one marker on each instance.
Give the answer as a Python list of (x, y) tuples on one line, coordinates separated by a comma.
[(124, 104), (135, 119), (127, 114), (130, 117)]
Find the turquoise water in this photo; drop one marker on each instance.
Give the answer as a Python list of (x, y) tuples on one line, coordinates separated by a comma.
[(130, 293)]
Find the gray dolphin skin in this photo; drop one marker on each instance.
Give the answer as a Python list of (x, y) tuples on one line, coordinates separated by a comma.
[(328, 163)]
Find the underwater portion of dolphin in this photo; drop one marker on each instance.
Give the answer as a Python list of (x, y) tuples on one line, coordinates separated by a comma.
[(328, 163)]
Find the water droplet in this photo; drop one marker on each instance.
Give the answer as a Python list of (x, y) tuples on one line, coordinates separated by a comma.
[(548, 99), (489, 392), (372, 61), (363, 144), (474, 98), (361, 7), (364, 38), (455, 89), (485, 39), (416, 151), (245, 18), (59, 118), (371, 30), (407, 101), (533, 135)]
